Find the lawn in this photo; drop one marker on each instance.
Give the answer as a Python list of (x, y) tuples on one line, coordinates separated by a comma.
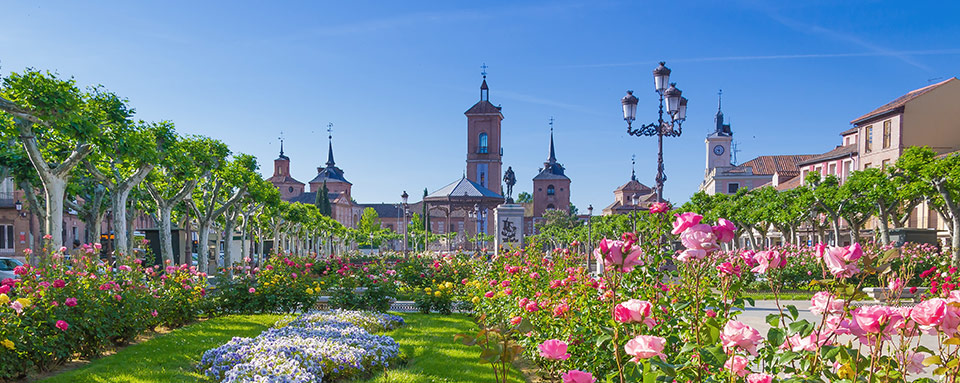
[(170, 357), (432, 355)]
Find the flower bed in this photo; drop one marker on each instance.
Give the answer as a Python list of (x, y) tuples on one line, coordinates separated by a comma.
[(317, 346), (80, 306), (658, 315)]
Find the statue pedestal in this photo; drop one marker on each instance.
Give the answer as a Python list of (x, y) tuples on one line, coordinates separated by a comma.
[(509, 226)]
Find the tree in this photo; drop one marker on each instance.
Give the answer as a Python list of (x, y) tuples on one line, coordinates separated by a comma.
[(827, 196), (524, 197), (218, 193), (189, 160), (125, 155), (369, 223), (877, 188), (941, 176), (323, 201), (56, 124)]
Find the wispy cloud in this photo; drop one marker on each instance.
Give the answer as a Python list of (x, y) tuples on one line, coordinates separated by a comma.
[(506, 94), (778, 57), (848, 38)]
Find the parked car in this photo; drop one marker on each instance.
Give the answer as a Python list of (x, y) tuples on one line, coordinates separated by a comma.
[(6, 267)]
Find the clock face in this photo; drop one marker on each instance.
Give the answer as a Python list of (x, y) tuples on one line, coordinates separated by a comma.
[(718, 150)]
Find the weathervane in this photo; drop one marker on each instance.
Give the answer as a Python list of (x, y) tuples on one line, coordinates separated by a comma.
[(330, 130), (633, 167), (551, 124), (719, 98), (281, 142), (483, 70)]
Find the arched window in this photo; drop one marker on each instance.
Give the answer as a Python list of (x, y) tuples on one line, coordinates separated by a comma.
[(482, 147), (550, 190)]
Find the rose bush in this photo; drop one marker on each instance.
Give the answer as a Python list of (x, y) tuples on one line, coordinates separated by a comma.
[(654, 313)]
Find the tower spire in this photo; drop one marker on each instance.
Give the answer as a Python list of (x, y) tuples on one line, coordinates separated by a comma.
[(553, 153), (484, 90), (281, 143), (330, 161), (719, 99), (633, 167)]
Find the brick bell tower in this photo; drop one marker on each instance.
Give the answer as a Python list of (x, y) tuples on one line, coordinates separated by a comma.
[(484, 153)]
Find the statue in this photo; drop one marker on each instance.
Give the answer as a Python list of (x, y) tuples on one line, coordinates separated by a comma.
[(510, 179)]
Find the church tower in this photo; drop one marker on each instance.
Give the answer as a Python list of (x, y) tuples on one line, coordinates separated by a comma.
[(484, 153), (551, 188), (718, 143), (285, 183), (331, 174)]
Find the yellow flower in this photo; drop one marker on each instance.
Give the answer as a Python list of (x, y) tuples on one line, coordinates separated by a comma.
[(310, 291), (7, 343), (475, 300), (448, 285), (427, 289), (4, 299), (25, 302), (437, 293)]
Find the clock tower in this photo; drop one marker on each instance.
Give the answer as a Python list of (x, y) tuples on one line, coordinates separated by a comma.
[(718, 144)]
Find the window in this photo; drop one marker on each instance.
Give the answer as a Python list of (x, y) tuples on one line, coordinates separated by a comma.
[(550, 190), (482, 148), (460, 225), (847, 168), (290, 189), (551, 207), (868, 140), (846, 141), (9, 264), (833, 169), (732, 187), (884, 164), (886, 134), (6, 237), (867, 165)]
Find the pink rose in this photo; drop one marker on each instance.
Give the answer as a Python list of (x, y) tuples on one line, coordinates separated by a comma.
[(554, 349), (711, 313), (534, 275), (154, 313), (560, 310), (63, 326), (929, 313), (759, 378), (17, 306), (729, 269), (824, 302), (685, 221), (724, 230), (737, 365), (532, 307), (873, 319), (690, 255), (737, 334), (747, 257), (489, 294), (699, 237), (516, 320), (914, 362), (59, 283), (768, 260), (951, 320), (659, 207), (251, 290), (634, 311), (645, 346), (70, 302), (619, 253), (577, 376)]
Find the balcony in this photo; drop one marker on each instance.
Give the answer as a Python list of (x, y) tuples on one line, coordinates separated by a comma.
[(6, 199)]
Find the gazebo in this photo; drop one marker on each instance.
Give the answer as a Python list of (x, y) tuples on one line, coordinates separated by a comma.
[(465, 201)]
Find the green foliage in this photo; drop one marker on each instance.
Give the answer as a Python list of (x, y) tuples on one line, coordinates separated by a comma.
[(524, 197), (323, 201), (283, 285)]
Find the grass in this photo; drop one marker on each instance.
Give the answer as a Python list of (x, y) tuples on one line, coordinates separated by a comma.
[(432, 355), (784, 296), (170, 357)]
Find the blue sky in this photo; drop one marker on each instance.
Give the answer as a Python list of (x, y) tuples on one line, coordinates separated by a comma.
[(395, 77)]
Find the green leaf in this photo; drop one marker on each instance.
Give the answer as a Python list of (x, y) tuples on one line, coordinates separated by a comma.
[(525, 326), (799, 327), (752, 302), (773, 320), (794, 313), (713, 356), (776, 336), (667, 368), (490, 355), (603, 340), (931, 360), (786, 357)]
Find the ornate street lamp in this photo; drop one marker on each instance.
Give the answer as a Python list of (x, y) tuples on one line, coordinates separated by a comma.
[(403, 198), (676, 106), (19, 206)]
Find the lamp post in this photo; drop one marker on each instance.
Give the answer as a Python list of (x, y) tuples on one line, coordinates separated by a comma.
[(403, 198), (676, 110), (19, 206)]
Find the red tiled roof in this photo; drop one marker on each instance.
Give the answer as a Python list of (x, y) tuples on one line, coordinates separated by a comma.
[(900, 101), (838, 152), (767, 165), (283, 180)]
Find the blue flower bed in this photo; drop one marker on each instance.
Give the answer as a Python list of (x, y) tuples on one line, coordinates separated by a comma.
[(317, 346)]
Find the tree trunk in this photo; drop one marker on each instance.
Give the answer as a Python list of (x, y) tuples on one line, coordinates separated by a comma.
[(123, 188), (203, 247), (166, 239), (228, 225), (835, 221), (884, 227), (55, 189), (955, 241)]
